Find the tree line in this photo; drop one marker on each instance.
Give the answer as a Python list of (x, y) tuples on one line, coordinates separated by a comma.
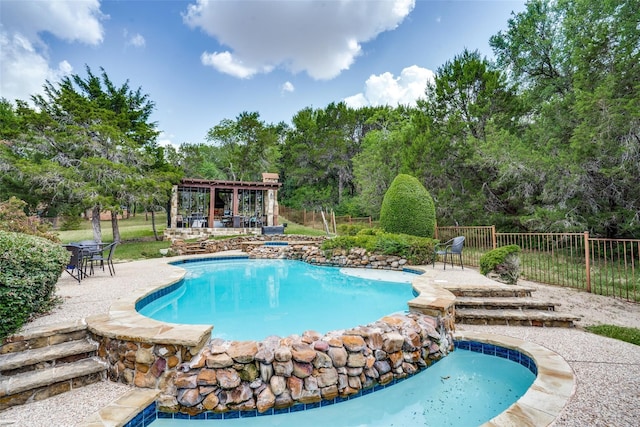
[(544, 138)]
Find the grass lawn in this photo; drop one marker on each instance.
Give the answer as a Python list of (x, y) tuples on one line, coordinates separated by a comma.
[(136, 234), (137, 237), (621, 333)]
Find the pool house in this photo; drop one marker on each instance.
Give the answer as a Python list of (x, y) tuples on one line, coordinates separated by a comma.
[(203, 207)]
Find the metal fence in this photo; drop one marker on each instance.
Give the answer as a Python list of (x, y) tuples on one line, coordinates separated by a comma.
[(601, 266), (313, 219)]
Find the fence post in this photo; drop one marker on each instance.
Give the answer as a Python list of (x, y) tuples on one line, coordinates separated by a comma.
[(493, 237), (435, 230), (370, 223), (587, 261)]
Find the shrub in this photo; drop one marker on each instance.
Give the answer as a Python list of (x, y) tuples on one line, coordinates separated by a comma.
[(407, 208), (29, 269), (349, 229), (503, 262), (13, 218)]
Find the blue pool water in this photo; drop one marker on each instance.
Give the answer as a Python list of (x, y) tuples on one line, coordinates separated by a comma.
[(466, 388), (253, 299)]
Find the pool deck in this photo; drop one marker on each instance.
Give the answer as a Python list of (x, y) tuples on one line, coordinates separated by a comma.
[(605, 391)]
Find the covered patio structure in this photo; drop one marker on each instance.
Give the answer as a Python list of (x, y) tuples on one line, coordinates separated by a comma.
[(202, 207)]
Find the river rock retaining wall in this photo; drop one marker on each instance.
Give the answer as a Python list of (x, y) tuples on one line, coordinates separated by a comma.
[(282, 372)]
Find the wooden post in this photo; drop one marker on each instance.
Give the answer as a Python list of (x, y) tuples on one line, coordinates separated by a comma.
[(493, 237), (587, 260)]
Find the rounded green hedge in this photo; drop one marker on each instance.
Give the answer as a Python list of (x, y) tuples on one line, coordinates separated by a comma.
[(502, 261), (408, 208), (29, 269)]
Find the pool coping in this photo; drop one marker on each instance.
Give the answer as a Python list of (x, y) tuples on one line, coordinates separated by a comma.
[(539, 406)]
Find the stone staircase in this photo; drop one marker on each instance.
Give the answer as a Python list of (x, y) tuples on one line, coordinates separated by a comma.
[(498, 304), (46, 362)]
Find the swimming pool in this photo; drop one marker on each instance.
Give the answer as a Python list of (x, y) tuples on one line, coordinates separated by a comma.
[(252, 299)]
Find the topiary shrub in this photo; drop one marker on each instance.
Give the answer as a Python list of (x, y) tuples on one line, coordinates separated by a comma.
[(407, 208), (503, 263), (29, 269)]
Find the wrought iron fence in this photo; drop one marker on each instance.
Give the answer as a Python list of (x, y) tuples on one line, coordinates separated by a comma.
[(601, 266)]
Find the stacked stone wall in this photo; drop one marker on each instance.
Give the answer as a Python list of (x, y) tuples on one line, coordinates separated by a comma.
[(182, 247), (279, 372)]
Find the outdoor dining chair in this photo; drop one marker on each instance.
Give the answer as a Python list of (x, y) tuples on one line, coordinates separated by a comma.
[(449, 248), (75, 265), (102, 257)]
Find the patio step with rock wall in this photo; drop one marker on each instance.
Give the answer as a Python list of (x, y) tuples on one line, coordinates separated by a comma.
[(46, 362), (499, 304)]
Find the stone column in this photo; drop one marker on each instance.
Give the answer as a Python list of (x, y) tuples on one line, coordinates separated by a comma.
[(174, 207)]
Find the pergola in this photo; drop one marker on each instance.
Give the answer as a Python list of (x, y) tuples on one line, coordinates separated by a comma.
[(204, 203)]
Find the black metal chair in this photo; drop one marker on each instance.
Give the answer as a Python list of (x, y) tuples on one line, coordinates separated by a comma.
[(99, 258), (449, 248), (75, 265)]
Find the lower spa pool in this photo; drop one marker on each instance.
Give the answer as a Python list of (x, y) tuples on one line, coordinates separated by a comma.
[(466, 388)]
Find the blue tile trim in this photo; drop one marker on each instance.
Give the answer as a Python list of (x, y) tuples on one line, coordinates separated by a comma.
[(150, 413), (276, 243), (495, 350), (412, 271)]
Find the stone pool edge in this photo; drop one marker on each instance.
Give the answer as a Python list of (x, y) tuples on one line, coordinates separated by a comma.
[(546, 397)]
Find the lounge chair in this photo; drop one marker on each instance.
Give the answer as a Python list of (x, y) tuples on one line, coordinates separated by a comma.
[(449, 248)]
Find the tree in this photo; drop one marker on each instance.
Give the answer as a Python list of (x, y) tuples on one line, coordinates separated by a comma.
[(84, 144), (248, 146), (408, 208)]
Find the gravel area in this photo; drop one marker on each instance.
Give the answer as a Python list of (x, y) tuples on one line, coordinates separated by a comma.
[(607, 371)]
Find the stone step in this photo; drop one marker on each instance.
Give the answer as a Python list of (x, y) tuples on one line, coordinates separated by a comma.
[(44, 336), (42, 383), (501, 303), (490, 291), (44, 357), (514, 317)]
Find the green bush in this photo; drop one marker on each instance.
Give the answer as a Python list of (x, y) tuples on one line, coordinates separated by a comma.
[(407, 208), (416, 250), (13, 218), (349, 229), (29, 269), (502, 261)]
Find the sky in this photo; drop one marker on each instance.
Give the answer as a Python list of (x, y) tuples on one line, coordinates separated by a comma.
[(204, 61)]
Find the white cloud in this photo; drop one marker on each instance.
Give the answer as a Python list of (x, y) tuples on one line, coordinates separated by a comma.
[(136, 40), (226, 63), (166, 140), (385, 89), (287, 87), (321, 38), (24, 62), (23, 70)]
